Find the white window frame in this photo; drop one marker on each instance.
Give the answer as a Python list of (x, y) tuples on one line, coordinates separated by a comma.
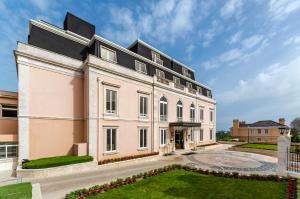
[(192, 112), (201, 138), (266, 131), (105, 140), (208, 93), (185, 72), (192, 135), (176, 80), (200, 90), (6, 146), (189, 85), (143, 115), (139, 65), (109, 50), (160, 73), (163, 138), (201, 110), (110, 112), (163, 117), (178, 106), (156, 58), (145, 131)]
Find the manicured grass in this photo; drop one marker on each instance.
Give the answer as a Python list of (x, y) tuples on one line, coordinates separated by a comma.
[(16, 191), (184, 184), (260, 146), (55, 161)]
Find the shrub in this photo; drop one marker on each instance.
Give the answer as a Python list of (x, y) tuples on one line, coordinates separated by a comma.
[(127, 158), (55, 161)]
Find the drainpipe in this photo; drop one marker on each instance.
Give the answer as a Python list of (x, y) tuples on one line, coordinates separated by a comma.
[(152, 122)]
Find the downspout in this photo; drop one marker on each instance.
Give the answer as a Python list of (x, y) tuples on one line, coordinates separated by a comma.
[(152, 122)]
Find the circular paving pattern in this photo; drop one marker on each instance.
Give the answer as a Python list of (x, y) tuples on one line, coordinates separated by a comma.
[(230, 161)]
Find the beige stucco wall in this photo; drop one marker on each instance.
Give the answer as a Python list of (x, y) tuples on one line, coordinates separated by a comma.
[(8, 126)]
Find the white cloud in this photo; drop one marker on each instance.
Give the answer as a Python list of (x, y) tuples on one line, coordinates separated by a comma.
[(41, 4), (235, 38), (189, 51), (231, 8), (276, 81), (292, 40), (280, 9), (211, 33), (252, 41)]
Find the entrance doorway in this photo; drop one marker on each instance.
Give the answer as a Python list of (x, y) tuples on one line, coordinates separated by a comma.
[(179, 140)]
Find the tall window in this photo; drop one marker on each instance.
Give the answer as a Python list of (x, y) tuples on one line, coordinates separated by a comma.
[(259, 131), (210, 134), (140, 67), (199, 89), (185, 72), (163, 137), (111, 139), (211, 116), (9, 111), (108, 54), (192, 135), (179, 110), (111, 101), (208, 93), (160, 74), (266, 131), (163, 109), (143, 138), (143, 106), (156, 58), (176, 80), (201, 135), (189, 85), (201, 112), (192, 113)]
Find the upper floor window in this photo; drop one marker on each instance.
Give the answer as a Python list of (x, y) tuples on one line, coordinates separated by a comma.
[(192, 112), (143, 106), (266, 131), (163, 109), (185, 72), (201, 135), (201, 114), (189, 85), (259, 131), (176, 80), (179, 110), (208, 93), (142, 138), (211, 113), (108, 54), (160, 73), (156, 58), (140, 67), (9, 111), (199, 89), (111, 101)]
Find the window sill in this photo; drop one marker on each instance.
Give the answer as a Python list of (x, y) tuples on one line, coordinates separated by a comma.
[(111, 116), (110, 152), (108, 60), (143, 149)]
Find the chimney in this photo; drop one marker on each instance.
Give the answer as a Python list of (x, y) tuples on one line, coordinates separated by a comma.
[(236, 123), (281, 121), (235, 127)]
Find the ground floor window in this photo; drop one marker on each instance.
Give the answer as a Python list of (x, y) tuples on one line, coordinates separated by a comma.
[(8, 150), (143, 138), (201, 135), (211, 134), (192, 135), (163, 136), (111, 139)]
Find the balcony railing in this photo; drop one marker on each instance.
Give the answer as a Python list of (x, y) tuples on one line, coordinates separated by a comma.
[(8, 151), (193, 91), (179, 86), (163, 118), (162, 80), (158, 61)]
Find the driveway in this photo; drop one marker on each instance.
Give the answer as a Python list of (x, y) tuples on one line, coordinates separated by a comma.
[(213, 157)]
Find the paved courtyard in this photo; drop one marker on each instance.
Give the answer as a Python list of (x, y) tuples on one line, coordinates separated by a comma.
[(213, 157)]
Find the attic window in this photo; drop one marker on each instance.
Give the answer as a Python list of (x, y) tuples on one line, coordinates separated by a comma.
[(189, 85), (185, 72), (176, 80), (199, 89), (108, 54), (9, 111), (140, 67), (160, 73), (156, 58)]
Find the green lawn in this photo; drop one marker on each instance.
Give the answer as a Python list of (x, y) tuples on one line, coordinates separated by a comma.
[(55, 161), (16, 191), (260, 146), (183, 184)]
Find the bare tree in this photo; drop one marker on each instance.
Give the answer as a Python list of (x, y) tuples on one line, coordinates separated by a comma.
[(295, 124)]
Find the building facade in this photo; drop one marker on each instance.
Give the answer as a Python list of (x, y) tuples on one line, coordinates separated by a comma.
[(266, 131), (77, 87)]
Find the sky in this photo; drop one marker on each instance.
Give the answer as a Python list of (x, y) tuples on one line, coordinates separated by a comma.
[(248, 52)]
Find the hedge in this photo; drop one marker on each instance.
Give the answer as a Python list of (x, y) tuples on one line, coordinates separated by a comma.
[(55, 161)]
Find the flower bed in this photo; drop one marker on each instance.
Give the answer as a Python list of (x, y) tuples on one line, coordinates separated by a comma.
[(127, 158), (83, 193)]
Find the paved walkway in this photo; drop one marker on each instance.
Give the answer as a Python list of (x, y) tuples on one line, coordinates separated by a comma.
[(213, 157)]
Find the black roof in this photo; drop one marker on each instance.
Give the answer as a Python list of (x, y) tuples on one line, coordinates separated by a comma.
[(262, 123)]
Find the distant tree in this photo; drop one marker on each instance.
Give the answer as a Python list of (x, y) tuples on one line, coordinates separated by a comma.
[(295, 130)]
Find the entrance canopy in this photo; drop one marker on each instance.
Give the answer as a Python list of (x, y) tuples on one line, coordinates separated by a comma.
[(185, 124)]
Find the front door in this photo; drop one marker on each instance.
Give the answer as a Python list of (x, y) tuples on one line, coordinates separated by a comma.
[(179, 141)]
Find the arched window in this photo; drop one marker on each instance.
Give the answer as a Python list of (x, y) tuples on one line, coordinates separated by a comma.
[(163, 110), (179, 110), (192, 112)]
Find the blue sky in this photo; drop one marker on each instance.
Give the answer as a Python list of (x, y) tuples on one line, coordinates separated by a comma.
[(248, 52)]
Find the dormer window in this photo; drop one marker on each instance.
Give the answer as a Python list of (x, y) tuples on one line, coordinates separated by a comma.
[(199, 89), (189, 85), (140, 67), (185, 72), (156, 58), (108, 54), (208, 93), (176, 80), (160, 74)]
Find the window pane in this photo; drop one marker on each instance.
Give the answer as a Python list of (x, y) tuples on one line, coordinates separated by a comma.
[(108, 140), (161, 109), (9, 113), (12, 151), (145, 137), (114, 140), (2, 152), (107, 100), (145, 105), (161, 137), (114, 100)]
